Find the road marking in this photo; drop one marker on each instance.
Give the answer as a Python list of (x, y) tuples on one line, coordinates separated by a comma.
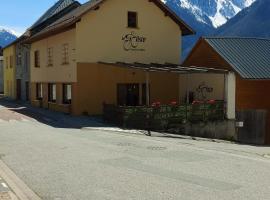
[(4, 185)]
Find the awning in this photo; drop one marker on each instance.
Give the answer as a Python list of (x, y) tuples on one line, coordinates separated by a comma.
[(167, 67)]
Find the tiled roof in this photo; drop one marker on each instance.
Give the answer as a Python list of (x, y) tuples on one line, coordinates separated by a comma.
[(56, 8), (249, 57)]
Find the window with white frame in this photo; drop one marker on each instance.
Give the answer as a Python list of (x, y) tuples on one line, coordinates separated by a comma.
[(52, 92), (39, 91), (65, 54), (50, 57), (67, 93)]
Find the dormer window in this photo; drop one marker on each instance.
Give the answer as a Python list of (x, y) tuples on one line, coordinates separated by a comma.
[(132, 19)]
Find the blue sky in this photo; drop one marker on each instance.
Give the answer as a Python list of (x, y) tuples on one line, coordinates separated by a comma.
[(18, 15)]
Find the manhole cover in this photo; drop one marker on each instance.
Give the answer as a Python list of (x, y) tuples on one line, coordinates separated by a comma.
[(156, 148)]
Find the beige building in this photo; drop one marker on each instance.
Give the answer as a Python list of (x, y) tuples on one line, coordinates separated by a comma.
[(70, 59), (1, 74), (9, 72)]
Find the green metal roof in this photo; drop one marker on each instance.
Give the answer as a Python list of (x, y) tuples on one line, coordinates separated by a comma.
[(249, 57)]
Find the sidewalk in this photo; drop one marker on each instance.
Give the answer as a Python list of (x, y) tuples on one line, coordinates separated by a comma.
[(5, 191), (12, 187)]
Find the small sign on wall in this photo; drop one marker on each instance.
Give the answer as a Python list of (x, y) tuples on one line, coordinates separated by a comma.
[(239, 124), (133, 42)]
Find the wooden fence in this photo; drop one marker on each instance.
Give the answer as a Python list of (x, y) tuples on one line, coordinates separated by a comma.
[(163, 117)]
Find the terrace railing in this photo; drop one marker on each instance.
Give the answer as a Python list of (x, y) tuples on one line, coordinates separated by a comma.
[(165, 116)]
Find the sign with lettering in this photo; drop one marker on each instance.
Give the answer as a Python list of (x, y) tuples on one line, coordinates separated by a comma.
[(203, 90), (133, 42)]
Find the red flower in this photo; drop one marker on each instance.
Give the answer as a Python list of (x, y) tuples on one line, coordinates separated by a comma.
[(173, 103), (211, 101), (156, 104)]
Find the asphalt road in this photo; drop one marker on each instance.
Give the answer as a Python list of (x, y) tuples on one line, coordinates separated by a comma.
[(81, 164)]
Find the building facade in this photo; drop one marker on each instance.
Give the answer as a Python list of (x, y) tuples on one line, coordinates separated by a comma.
[(22, 74), (247, 83), (1, 74), (9, 55), (21, 57), (67, 59)]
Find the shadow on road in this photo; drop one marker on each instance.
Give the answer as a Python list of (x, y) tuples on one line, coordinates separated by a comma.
[(51, 118)]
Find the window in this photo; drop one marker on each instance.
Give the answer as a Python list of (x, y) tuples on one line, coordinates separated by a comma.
[(39, 91), (52, 92), (144, 101), (6, 62), (67, 91), (19, 59), (65, 50), (50, 57), (26, 60), (37, 59), (132, 19), (27, 91), (128, 94), (11, 61)]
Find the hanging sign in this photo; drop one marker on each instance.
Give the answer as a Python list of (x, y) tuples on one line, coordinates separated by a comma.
[(133, 42)]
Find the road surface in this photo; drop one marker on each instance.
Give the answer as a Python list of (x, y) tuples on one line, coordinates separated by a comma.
[(60, 161)]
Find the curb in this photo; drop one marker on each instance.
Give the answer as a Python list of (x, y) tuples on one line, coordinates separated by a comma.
[(142, 132), (117, 130), (20, 189)]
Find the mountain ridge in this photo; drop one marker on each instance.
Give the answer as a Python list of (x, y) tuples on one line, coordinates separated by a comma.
[(6, 36)]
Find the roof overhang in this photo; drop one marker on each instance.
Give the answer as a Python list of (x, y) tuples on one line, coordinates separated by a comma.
[(61, 26), (167, 67)]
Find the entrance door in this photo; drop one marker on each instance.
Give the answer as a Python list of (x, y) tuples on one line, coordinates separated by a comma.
[(27, 91), (128, 94), (19, 92)]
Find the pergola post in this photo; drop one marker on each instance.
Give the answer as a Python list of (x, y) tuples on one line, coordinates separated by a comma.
[(230, 95), (187, 89), (147, 89)]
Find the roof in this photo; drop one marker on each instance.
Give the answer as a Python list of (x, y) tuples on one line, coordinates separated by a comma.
[(51, 15), (74, 16), (56, 8), (167, 67), (249, 57)]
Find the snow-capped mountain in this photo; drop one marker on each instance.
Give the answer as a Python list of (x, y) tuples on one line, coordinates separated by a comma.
[(253, 21), (204, 16), (211, 12), (6, 36)]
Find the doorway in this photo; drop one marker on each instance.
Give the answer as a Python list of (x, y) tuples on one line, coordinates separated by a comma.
[(27, 91), (128, 94), (19, 89)]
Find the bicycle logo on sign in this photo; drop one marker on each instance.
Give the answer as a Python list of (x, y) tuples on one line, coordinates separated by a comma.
[(132, 42)]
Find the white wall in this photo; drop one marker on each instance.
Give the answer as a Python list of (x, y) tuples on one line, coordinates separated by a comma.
[(230, 86)]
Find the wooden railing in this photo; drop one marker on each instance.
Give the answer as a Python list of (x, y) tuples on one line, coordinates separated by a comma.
[(164, 116)]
